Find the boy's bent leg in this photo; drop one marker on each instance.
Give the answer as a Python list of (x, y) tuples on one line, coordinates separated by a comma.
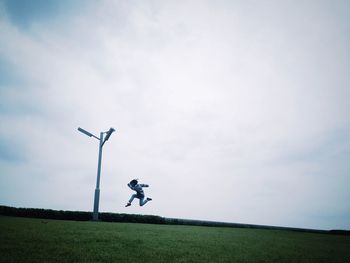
[(143, 201)]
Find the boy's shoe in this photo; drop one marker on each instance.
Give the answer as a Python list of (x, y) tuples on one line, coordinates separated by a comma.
[(128, 204), (149, 199)]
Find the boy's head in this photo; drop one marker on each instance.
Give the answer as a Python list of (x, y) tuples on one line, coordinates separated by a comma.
[(133, 182)]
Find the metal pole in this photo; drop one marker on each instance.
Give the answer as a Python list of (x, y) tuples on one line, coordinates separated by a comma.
[(97, 190)]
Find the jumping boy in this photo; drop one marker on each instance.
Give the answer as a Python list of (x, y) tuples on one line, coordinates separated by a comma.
[(134, 185)]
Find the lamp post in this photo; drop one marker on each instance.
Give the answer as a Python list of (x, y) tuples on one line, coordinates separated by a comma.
[(102, 140)]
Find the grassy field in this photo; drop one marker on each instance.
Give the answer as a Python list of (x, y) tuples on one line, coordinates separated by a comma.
[(37, 240)]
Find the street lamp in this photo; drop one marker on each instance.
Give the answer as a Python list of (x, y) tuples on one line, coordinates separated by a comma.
[(102, 140)]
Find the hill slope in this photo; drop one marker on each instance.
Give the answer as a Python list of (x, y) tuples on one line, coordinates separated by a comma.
[(43, 240)]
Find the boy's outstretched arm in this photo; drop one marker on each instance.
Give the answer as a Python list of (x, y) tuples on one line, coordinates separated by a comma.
[(144, 185)]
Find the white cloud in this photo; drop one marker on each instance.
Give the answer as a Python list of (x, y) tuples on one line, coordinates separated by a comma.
[(211, 104)]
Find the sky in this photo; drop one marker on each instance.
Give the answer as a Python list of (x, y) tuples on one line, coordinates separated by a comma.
[(234, 111)]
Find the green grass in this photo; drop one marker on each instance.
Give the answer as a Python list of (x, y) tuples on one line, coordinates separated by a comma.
[(38, 240)]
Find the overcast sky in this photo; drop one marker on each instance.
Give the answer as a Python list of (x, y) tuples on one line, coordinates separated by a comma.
[(232, 111)]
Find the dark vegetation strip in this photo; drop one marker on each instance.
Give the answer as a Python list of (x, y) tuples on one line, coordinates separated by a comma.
[(148, 219)]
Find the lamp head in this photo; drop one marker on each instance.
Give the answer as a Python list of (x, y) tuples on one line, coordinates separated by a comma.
[(85, 132), (109, 133)]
